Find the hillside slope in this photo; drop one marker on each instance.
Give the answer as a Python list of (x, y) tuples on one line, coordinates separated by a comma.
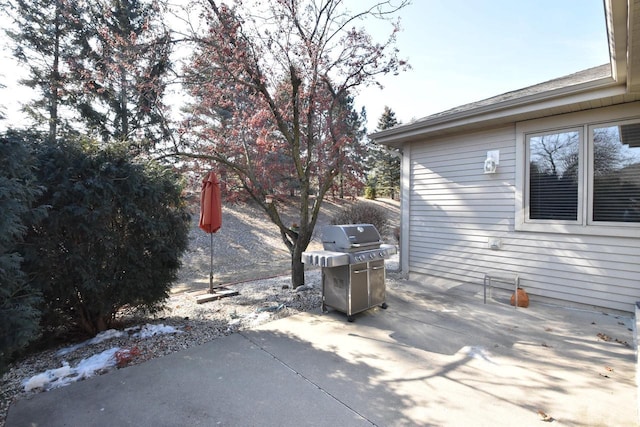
[(248, 245)]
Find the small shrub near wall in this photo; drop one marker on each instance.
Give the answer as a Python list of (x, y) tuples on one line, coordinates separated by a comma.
[(363, 213)]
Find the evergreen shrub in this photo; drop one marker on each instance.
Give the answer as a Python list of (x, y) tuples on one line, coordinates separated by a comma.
[(19, 314), (370, 192), (113, 236)]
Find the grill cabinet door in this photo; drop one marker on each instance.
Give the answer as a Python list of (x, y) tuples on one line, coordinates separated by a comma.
[(335, 287), (376, 283), (359, 288)]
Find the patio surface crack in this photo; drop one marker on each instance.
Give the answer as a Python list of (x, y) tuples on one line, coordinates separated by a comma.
[(308, 380)]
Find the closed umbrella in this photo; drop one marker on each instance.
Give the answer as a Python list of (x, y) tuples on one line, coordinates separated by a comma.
[(210, 213)]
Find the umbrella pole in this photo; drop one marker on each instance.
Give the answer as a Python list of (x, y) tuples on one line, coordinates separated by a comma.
[(211, 265)]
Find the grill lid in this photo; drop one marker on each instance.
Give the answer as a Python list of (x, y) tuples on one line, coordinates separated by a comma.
[(350, 237)]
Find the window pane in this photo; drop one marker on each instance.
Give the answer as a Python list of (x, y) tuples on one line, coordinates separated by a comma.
[(616, 173), (553, 176)]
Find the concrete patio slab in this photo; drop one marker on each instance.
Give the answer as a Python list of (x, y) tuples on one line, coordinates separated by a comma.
[(437, 356), (444, 358)]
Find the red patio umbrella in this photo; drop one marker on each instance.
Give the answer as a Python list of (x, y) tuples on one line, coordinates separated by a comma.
[(210, 212), (210, 204)]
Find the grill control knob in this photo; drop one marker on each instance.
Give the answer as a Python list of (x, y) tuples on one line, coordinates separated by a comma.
[(372, 256), (382, 254)]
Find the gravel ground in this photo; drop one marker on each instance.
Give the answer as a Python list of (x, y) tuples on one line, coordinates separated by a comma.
[(246, 250), (258, 302)]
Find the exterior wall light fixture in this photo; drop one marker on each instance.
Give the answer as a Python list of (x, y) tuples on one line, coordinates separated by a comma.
[(492, 161)]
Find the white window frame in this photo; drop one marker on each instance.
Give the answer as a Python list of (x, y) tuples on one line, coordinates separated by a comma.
[(590, 221), (586, 122), (581, 151)]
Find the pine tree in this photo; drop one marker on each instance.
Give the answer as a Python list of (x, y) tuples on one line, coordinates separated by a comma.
[(388, 119), (351, 170), (383, 163), (41, 39), (121, 66)]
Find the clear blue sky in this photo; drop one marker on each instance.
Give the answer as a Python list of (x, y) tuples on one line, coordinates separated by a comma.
[(462, 51), (466, 50)]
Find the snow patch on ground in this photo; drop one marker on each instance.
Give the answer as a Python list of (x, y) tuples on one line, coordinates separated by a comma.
[(149, 330), (86, 368), (65, 375), (102, 336)]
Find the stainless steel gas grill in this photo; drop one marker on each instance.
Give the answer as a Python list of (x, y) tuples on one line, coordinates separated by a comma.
[(353, 274)]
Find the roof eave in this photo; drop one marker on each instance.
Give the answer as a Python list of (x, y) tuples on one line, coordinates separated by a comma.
[(623, 30), (500, 111)]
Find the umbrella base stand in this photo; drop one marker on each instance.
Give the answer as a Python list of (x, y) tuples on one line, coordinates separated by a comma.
[(215, 294)]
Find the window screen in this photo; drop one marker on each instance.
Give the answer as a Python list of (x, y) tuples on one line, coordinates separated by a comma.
[(553, 175), (616, 173)]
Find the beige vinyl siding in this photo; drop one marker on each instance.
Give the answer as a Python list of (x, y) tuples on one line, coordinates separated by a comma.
[(455, 209)]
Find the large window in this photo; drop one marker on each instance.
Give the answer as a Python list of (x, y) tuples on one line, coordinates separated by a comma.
[(581, 179), (554, 175), (616, 173)]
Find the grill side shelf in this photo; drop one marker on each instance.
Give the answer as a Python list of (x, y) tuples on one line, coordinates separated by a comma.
[(325, 258)]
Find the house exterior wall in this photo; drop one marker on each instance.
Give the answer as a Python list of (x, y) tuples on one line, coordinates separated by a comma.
[(453, 209)]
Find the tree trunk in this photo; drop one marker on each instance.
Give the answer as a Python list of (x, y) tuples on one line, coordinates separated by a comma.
[(300, 244), (124, 129), (54, 80), (340, 176), (297, 267)]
